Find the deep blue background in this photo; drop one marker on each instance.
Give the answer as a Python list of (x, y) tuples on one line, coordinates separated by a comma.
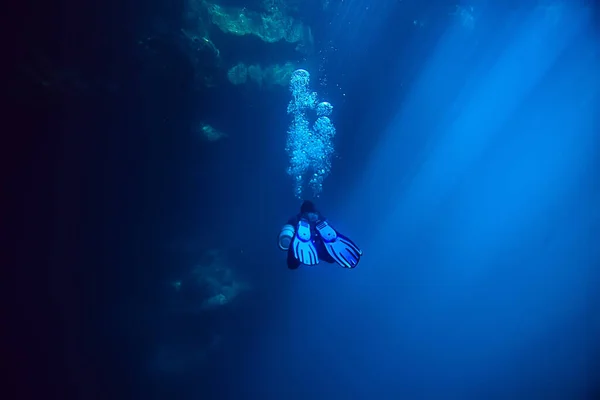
[(467, 168)]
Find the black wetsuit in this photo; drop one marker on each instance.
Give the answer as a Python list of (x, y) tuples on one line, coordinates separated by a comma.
[(313, 218)]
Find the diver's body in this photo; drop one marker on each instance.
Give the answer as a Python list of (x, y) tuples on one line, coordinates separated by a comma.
[(308, 238)]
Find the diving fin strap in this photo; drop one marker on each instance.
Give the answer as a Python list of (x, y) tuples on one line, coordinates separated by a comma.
[(304, 249), (342, 249)]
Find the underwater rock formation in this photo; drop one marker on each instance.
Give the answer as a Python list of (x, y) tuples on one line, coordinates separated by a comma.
[(218, 281), (271, 75), (271, 26), (210, 284), (209, 133)]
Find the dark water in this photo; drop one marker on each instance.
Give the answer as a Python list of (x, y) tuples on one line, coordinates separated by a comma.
[(466, 167)]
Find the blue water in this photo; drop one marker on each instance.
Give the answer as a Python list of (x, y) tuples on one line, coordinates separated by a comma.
[(466, 167), (468, 172)]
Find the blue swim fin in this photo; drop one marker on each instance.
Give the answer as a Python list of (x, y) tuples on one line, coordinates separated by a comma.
[(342, 249), (304, 249)]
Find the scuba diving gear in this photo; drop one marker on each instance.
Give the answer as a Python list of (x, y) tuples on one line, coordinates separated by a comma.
[(302, 245), (285, 237), (309, 239), (342, 249)]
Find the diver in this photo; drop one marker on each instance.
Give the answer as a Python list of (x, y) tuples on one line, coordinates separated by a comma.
[(308, 238)]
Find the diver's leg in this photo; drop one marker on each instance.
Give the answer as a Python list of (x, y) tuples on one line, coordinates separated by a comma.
[(292, 261)]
